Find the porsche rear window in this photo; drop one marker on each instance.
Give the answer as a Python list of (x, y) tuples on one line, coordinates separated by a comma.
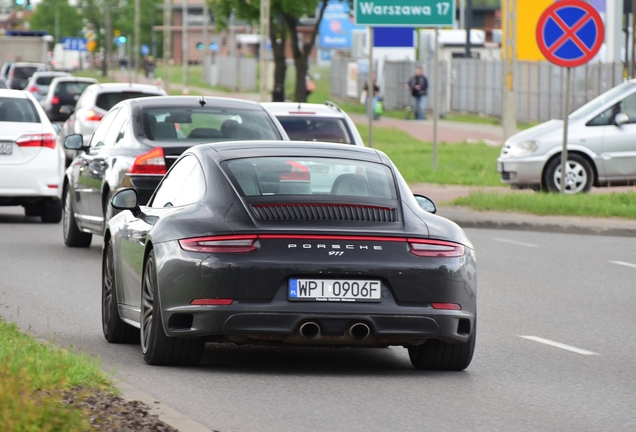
[(310, 176)]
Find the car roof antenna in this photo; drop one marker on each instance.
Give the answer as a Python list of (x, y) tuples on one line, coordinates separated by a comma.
[(202, 101)]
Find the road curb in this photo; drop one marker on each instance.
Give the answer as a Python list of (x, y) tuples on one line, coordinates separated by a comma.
[(163, 412), (549, 224)]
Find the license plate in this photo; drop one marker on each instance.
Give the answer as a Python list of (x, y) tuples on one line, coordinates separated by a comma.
[(335, 290), (6, 148)]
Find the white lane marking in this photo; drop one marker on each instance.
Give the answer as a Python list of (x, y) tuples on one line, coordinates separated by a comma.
[(503, 240), (559, 345), (626, 264)]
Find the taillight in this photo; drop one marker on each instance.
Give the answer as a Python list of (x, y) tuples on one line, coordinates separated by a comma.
[(33, 89), (55, 100), (152, 162), (93, 116), (446, 306), (37, 140), (221, 244), (212, 302), (298, 173), (435, 248)]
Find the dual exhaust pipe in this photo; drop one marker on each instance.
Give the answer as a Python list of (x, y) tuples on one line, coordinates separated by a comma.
[(357, 331)]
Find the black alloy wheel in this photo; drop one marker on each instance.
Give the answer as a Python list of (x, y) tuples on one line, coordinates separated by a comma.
[(114, 328), (73, 237), (156, 347), (438, 355)]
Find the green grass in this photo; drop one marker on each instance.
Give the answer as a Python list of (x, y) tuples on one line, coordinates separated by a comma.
[(195, 77), (458, 164), (34, 378), (622, 205)]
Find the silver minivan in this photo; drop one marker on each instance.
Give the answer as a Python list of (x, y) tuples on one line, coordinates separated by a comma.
[(601, 147)]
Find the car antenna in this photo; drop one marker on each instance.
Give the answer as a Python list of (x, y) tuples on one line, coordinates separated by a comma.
[(202, 101)]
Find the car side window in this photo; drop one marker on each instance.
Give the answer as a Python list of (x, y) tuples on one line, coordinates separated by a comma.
[(113, 135), (603, 119), (193, 188), (628, 106), (168, 190), (102, 129)]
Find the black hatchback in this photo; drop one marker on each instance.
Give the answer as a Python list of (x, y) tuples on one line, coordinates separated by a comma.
[(138, 141), (64, 92)]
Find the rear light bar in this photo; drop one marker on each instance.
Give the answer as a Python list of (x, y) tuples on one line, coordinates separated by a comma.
[(446, 306), (37, 140), (212, 302), (435, 248), (221, 244), (245, 243), (152, 162), (93, 116)]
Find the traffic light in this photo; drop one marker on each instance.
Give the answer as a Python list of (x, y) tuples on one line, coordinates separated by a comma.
[(122, 39), (200, 46), (19, 2)]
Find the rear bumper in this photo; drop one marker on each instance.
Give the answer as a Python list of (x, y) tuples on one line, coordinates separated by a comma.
[(42, 177)]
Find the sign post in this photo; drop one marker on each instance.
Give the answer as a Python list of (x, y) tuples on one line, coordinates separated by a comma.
[(569, 34), (405, 13)]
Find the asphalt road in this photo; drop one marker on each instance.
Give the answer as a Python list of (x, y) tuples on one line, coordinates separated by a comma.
[(569, 289)]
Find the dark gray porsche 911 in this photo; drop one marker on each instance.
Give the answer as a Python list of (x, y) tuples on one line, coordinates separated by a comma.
[(290, 243)]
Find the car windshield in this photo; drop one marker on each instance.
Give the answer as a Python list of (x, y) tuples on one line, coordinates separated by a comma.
[(313, 128), (18, 110), (267, 176), (71, 87), (24, 72), (106, 101), (44, 80), (208, 124), (598, 102)]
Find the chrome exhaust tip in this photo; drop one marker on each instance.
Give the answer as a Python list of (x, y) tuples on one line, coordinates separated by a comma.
[(309, 330), (359, 331)]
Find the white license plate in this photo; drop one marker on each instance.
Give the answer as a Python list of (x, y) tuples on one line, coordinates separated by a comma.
[(335, 290), (6, 148)]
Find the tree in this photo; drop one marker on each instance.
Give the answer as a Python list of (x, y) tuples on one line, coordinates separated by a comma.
[(70, 22), (283, 21)]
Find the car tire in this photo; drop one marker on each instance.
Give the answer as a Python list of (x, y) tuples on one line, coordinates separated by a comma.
[(51, 211), (438, 355), (579, 178), (157, 348), (73, 237), (114, 328), (32, 210)]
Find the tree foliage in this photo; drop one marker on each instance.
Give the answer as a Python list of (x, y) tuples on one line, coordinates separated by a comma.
[(70, 21)]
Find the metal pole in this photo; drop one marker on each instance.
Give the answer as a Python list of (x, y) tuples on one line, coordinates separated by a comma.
[(263, 49), (633, 56), (57, 24), (462, 13), (167, 42), (206, 44), (108, 39), (509, 115), (566, 114), (469, 24), (136, 35), (370, 88), (435, 97), (129, 65), (184, 45)]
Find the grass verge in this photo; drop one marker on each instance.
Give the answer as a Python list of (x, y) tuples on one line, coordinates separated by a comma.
[(34, 380), (457, 164), (622, 205)]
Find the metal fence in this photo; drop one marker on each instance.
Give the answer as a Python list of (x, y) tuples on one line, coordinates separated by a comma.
[(236, 73), (475, 86)]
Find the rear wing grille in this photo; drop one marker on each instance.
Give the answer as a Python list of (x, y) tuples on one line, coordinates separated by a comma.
[(327, 212)]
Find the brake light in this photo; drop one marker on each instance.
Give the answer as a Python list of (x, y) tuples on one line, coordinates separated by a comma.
[(298, 172), (55, 100), (152, 162), (93, 116), (33, 89), (37, 140), (221, 244), (435, 248), (212, 302), (446, 306)]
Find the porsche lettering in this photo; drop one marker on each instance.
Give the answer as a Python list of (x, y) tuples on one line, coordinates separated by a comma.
[(333, 246)]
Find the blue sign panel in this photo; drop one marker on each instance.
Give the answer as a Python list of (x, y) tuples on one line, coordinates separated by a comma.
[(393, 37), (336, 26), (145, 50), (74, 44)]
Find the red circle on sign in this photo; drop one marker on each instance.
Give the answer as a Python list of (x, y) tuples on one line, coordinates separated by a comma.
[(569, 33)]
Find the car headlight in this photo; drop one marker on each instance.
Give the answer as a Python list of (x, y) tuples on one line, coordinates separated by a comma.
[(522, 148)]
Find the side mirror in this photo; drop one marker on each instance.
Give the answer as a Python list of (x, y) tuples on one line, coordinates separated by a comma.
[(56, 127), (74, 142), (621, 119), (126, 199), (426, 203)]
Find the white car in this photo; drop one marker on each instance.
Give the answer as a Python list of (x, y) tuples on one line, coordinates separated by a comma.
[(315, 122), (31, 157), (601, 147)]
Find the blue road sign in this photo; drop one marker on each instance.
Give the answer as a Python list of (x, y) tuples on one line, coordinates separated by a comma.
[(74, 44), (145, 50), (570, 33)]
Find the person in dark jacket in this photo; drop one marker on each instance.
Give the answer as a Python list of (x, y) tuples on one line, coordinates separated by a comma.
[(376, 96), (418, 84)]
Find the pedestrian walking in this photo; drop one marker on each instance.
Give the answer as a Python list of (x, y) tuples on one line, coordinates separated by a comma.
[(418, 84), (376, 96)]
